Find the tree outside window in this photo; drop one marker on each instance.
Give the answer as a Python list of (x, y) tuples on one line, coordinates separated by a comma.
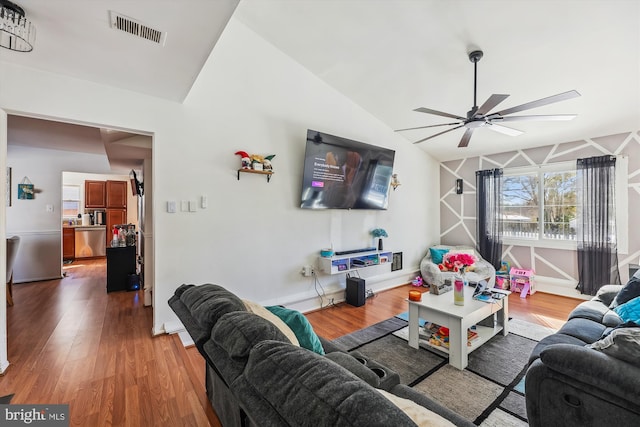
[(528, 197)]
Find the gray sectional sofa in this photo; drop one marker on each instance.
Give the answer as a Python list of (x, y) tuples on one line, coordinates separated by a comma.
[(575, 380), (255, 376)]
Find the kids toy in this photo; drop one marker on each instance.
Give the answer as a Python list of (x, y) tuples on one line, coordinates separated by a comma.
[(257, 162), (266, 163), (246, 161), (417, 282)]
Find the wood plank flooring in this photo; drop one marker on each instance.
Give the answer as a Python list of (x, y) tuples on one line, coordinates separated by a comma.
[(71, 342), (333, 322)]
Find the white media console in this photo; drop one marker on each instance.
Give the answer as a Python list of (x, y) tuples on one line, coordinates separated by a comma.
[(348, 262)]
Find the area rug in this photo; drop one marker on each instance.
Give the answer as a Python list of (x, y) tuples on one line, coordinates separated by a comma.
[(489, 392)]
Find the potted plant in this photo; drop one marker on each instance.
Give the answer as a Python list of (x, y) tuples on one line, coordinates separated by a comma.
[(379, 233)]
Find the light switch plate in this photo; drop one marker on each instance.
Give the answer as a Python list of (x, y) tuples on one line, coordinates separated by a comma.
[(192, 205), (184, 205), (204, 202), (171, 206)]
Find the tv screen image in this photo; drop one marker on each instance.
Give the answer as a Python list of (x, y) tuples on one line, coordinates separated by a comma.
[(340, 173)]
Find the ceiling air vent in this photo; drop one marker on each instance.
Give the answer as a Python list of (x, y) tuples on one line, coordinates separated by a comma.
[(131, 26)]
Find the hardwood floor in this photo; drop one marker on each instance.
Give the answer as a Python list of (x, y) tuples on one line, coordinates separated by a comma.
[(71, 342), (333, 322)]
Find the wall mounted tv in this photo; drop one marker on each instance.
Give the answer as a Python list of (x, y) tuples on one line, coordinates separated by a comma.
[(343, 174)]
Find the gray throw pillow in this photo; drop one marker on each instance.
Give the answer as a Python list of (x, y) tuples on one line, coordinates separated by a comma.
[(623, 344)]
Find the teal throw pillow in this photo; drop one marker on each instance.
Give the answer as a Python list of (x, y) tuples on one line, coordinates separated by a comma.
[(437, 254), (300, 326), (629, 311)]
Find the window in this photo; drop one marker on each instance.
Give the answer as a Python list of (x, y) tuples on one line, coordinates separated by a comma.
[(540, 204), (70, 201)]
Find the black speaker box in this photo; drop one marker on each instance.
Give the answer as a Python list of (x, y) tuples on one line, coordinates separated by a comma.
[(355, 291)]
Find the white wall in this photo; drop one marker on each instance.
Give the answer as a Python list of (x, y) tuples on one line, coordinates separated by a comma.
[(252, 238), (39, 229)]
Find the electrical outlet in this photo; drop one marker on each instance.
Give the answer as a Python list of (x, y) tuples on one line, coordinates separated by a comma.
[(307, 271)]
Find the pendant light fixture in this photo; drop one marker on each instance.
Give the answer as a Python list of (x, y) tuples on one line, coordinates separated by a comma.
[(16, 31)]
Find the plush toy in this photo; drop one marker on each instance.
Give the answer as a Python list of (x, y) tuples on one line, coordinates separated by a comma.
[(246, 161), (256, 162), (417, 282), (267, 162)]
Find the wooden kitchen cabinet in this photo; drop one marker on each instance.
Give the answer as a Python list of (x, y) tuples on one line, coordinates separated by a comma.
[(68, 243), (116, 195), (114, 217), (95, 195)]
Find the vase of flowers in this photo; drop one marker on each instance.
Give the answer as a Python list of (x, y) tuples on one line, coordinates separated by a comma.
[(460, 264), (379, 233)]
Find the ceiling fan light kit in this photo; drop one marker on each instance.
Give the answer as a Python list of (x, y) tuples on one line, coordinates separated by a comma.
[(481, 117), (17, 33)]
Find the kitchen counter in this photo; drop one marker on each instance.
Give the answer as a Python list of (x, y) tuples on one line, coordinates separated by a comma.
[(80, 227)]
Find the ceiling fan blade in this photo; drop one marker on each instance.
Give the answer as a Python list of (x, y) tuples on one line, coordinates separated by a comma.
[(465, 138), (430, 126), (490, 103), (438, 134), (540, 102), (503, 129), (439, 113), (555, 117)]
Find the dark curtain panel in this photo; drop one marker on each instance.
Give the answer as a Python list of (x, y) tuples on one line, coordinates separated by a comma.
[(596, 224), (489, 215)]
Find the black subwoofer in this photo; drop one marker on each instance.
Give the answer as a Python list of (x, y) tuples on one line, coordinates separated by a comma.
[(355, 291)]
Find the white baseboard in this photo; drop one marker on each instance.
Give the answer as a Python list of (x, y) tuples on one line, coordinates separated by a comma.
[(3, 366)]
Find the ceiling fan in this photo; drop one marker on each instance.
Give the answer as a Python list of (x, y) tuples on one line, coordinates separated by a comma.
[(480, 117)]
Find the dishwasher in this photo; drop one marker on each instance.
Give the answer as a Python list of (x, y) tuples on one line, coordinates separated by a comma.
[(91, 241)]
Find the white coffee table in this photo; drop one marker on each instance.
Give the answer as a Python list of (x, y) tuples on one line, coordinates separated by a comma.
[(440, 309)]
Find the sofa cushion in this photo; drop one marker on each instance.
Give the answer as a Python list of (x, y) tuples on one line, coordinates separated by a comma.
[(596, 311), (437, 254), (629, 311), (238, 332), (207, 303), (418, 414), (261, 311), (307, 389), (584, 329), (556, 338), (300, 327), (623, 344), (628, 292)]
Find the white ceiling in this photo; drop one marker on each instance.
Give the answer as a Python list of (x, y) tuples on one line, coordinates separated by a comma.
[(388, 56)]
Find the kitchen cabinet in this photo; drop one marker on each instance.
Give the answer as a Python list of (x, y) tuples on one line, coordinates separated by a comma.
[(95, 195), (68, 243), (113, 217), (116, 195)]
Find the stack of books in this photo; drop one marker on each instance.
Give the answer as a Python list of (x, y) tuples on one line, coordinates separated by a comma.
[(439, 335)]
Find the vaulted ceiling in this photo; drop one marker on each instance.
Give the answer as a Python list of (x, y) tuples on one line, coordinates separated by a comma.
[(388, 56)]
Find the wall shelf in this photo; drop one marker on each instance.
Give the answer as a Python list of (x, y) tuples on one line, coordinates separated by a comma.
[(267, 173), (345, 263)]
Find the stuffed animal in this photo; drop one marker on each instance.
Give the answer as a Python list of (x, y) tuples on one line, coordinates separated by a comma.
[(267, 162), (256, 162), (246, 161)]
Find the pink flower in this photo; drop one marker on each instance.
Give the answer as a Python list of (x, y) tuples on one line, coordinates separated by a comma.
[(460, 261)]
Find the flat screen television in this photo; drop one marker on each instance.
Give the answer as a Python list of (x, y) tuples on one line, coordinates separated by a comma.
[(340, 173)]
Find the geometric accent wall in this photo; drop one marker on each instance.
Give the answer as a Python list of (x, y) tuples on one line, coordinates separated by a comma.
[(556, 269)]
